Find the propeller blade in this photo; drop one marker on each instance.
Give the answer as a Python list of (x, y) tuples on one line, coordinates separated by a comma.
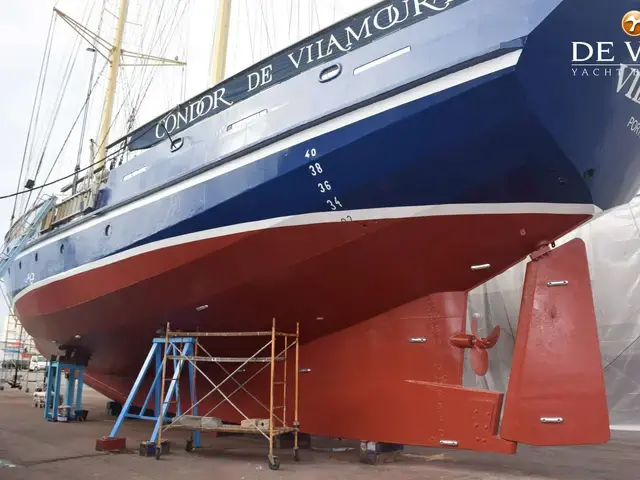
[(474, 326), (479, 361), (493, 337)]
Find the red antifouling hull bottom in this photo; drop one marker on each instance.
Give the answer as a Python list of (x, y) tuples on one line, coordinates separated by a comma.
[(393, 378), (376, 358)]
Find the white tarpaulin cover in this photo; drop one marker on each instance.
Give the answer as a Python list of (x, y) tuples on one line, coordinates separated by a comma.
[(613, 247)]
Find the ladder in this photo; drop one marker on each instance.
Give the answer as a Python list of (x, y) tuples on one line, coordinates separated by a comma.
[(15, 245)]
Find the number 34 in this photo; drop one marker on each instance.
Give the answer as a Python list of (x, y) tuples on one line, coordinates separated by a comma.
[(334, 204)]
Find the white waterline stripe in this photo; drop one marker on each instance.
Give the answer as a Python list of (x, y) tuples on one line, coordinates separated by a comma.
[(330, 217), (443, 83)]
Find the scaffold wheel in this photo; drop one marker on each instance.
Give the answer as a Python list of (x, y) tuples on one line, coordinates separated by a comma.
[(274, 463)]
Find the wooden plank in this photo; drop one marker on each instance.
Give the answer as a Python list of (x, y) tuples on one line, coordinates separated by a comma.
[(233, 429), (225, 359)]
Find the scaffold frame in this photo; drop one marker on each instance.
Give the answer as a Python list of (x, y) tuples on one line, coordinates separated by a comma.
[(277, 424)]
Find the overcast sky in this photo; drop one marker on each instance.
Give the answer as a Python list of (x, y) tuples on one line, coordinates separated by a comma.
[(259, 27)]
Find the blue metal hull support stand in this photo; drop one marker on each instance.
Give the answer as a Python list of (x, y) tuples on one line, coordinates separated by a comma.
[(71, 407), (153, 365)]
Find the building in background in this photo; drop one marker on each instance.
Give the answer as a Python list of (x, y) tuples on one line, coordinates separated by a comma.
[(15, 343)]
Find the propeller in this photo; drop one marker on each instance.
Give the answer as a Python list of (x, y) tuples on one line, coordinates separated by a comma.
[(478, 345)]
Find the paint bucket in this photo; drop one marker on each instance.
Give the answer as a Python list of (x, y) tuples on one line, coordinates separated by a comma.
[(63, 413)]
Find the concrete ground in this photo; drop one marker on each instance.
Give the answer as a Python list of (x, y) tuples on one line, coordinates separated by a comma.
[(31, 448)]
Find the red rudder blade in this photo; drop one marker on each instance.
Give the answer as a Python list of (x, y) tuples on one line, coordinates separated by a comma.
[(556, 393)]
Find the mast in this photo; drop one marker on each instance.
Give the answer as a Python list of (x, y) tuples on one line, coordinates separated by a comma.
[(220, 41), (114, 60)]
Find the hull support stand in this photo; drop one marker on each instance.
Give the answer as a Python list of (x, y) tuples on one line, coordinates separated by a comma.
[(54, 408), (160, 349)]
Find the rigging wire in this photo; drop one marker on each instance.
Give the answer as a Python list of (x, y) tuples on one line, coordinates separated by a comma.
[(290, 20), (49, 131), (39, 98), (43, 67), (298, 20), (273, 24), (185, 54), (73, 56), (85, 105), (253, 55), (266, 26), (164, 48), (136, 74), (60, 179), (117, 115), (6, 300), (110, 127), (161, 52), (315, 10), (236, 36), (86, 110), (65, 80)]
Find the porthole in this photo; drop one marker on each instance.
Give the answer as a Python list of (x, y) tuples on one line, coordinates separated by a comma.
[(330, 73), (61, 248), (36, 257), (107, 230), (20, 265)]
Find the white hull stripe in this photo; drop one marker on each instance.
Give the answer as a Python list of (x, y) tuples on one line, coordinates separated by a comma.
[(444, 83), (330, 217)]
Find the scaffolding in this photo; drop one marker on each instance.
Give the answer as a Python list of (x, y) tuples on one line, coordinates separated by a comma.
[(17, 348), (270, 429)]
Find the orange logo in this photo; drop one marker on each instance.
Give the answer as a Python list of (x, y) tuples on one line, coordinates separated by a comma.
[(631, 23)]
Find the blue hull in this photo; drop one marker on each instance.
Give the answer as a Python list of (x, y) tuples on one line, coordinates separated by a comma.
[(484, 109)]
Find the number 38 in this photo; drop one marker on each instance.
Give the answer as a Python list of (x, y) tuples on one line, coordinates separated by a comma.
[(315, 169)]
